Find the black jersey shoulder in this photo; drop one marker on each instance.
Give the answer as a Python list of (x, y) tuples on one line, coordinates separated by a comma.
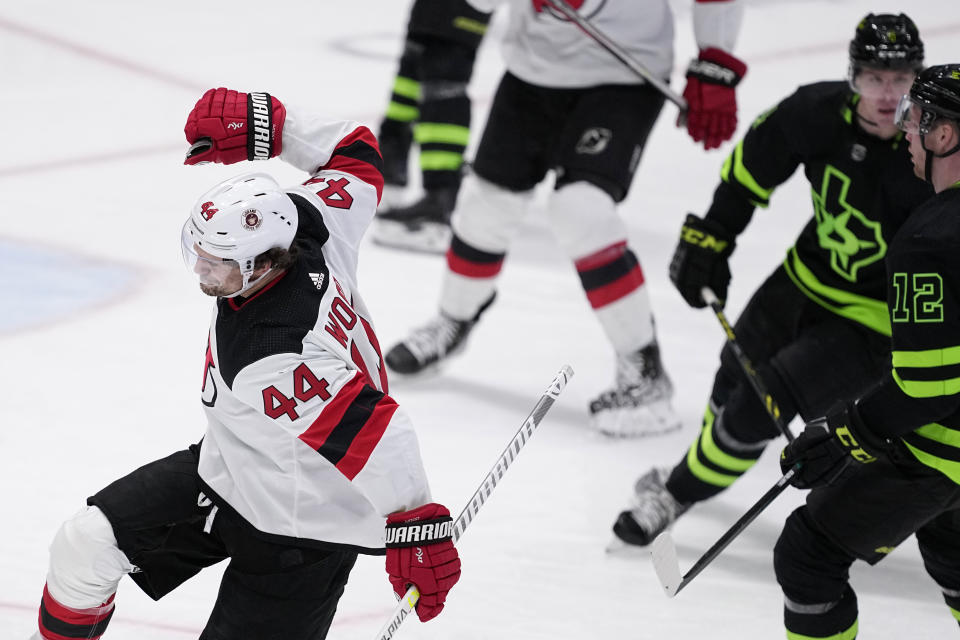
[(814, 115), (276, 319), (932, 225)]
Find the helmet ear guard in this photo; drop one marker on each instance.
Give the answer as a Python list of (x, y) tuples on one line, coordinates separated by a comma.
[(238, 220), (934, 98)]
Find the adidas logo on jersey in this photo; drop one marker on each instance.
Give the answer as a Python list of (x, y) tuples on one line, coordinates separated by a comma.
[(317, 279)]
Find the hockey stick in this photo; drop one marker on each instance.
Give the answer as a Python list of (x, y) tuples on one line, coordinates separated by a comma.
[(664, 552), (767, 400), (619, 53), (409, 599)]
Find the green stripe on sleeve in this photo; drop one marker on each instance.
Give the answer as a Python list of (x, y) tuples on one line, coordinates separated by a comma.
[(927, 357), (927, 388), (743, 176)]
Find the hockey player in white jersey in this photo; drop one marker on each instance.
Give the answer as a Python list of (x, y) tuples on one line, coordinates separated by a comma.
[(305, 458), (565, 104)]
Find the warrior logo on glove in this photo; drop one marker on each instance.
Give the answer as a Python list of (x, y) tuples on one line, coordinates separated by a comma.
[(420, 552), (226, 126)]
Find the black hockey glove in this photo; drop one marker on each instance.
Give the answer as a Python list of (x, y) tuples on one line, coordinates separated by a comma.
[(700, 260), (829, 448)]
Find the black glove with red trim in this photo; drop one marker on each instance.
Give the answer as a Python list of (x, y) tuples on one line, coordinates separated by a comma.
[(831, 447), (711, 100), (226, 126), (420, 552)]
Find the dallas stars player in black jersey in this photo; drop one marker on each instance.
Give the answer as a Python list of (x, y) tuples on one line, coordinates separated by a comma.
[(888, 465), (817, 328)]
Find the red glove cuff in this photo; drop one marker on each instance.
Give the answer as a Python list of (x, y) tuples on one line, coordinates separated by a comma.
[(428, 524), (716, 66)]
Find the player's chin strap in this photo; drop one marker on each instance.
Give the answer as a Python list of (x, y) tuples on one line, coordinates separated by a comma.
[(248, 283), (930, 155)]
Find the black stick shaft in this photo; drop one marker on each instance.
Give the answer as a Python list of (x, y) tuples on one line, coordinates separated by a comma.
[(767, 400), (737, 528)]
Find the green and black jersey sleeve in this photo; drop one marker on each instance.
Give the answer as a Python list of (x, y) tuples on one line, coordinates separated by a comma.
[(919, 399), (861, 187)]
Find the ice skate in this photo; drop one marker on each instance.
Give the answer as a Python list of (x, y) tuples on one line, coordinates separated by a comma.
[(652, 510), (423, 225), (640, 404), (428, 345)]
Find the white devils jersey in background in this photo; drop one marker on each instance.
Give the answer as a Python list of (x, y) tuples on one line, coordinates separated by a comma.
[(545, 49), (302, 440)]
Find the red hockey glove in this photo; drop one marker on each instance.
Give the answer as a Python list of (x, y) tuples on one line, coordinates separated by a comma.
[(420, 552), (712, 103), (828, 447), (227, 127)]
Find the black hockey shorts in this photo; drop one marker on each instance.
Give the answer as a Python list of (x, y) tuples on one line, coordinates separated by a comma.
[(809, 358), (595, 134), (879, 505), (268, 591), (448, 20)]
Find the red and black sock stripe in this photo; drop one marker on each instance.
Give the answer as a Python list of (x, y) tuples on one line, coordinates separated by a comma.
[(471, 262), (58, 622), (610, 274)]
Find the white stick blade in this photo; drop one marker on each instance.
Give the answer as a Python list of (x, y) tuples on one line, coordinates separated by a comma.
[(665, 563)]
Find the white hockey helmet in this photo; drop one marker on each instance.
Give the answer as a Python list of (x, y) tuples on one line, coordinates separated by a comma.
[(233, 223)]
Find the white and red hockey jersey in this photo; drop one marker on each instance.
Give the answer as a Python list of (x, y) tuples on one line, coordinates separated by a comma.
[(303, 441), (546, 49)]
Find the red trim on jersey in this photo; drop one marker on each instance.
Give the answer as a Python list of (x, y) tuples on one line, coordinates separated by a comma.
[(266, 287), (469, 269), (617, 289), (359, 168), (331, 415), (602, 258), (366, 441)]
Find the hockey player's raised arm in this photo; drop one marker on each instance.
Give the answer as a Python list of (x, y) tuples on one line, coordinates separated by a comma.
[(316, 145)]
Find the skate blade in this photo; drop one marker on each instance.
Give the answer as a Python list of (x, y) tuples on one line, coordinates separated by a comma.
[(429, 238)]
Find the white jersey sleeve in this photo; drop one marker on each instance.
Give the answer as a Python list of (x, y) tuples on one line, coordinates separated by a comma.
[(716, 23)]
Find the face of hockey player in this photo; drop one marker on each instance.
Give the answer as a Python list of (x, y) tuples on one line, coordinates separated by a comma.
[(880, 91), (218, 277)]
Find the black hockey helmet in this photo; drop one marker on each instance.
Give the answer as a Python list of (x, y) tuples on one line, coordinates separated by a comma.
[(886, 41), (934, 95), (934, 98)]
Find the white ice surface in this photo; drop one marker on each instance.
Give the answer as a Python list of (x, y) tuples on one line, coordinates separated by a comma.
[(94, 96)]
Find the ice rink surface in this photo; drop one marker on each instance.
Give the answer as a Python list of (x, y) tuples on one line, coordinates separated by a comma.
[(102, 331)]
